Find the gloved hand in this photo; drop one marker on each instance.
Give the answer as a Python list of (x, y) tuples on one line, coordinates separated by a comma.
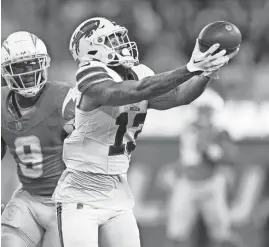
[(214, 74), (205, 61)]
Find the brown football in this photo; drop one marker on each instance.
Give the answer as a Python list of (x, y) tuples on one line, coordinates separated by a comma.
[(225, 33)]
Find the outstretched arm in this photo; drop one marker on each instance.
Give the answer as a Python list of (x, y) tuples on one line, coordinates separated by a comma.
[(181, 95), (108, 92), (98, 88), (187, 92)]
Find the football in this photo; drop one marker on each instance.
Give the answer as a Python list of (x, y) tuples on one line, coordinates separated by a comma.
[(225, 33)]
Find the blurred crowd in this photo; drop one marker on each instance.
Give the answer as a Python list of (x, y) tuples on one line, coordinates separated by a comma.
[(164, 30)]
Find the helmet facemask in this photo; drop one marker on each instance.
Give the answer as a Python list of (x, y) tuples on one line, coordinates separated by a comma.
[(27, 75), (121, 51)]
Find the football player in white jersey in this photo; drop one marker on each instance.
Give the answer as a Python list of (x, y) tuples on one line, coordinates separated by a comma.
[(93, 196)]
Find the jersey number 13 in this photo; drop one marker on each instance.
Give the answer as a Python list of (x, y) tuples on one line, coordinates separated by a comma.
[(122, 120)]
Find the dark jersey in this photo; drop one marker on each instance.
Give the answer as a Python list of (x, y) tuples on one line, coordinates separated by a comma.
[(35, 139)]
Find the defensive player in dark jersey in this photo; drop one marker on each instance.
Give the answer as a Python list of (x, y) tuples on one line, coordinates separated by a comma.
[(116, 91), (35, 113)]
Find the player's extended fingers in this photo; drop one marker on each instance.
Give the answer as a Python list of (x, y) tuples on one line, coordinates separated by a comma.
[(217, 55), (215, 67), (221, 61), (211, 50)]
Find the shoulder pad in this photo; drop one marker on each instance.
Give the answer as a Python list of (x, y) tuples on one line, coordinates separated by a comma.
[(92, 64), (91, 73)]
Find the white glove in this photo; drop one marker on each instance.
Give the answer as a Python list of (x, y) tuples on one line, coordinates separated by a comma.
[(215, 73), (205, 61)]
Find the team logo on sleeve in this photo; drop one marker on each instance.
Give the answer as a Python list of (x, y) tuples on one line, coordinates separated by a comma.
[(134, 108), (11, 212)]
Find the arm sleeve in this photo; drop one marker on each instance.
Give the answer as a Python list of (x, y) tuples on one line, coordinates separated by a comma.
[(181, 95)]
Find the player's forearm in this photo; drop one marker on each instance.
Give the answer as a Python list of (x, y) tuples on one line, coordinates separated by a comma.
[(181, 95), (192, 89), (159, 84), (128, 92)]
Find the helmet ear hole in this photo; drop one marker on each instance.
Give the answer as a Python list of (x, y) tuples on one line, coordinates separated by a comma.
[(92, 53)]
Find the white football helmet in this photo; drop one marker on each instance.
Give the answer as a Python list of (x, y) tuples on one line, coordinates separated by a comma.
[(103, 40), (24, 63)]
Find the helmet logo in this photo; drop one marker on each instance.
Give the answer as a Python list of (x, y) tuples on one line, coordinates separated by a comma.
[(34, 39), (86, 30)]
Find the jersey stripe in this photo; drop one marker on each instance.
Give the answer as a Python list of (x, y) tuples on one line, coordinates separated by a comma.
[(59, 221), (92, 79), (88, 75), (85, 70)]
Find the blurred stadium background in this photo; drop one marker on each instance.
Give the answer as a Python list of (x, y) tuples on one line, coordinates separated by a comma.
[(165, 31)]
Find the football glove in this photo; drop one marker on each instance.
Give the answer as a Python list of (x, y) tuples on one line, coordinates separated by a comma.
[(215, 73), (205, 61)]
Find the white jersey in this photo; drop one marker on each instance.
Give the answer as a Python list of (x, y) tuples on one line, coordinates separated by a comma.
[(104, 138), (98, 152)]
